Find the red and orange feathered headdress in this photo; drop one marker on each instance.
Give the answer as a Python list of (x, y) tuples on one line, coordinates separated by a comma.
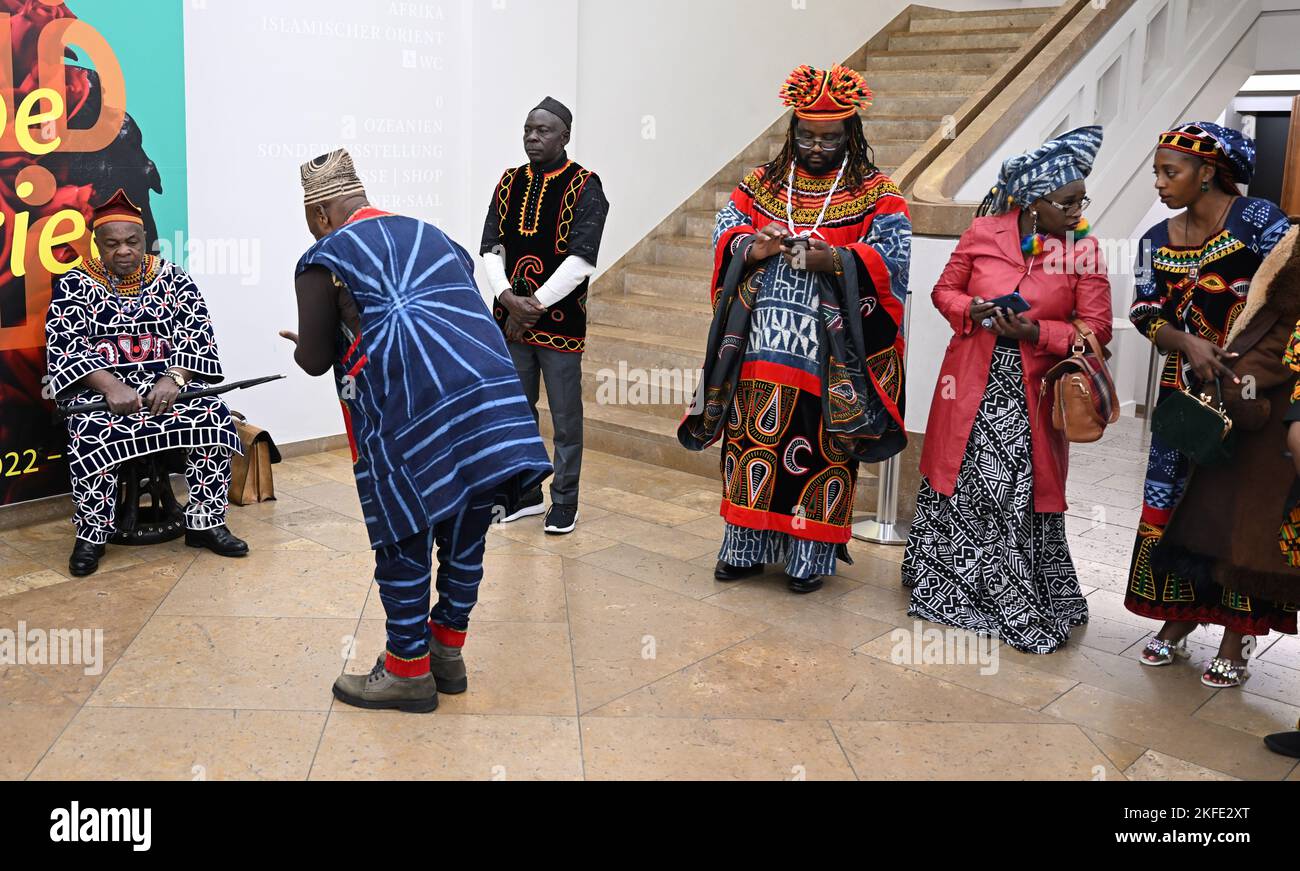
[(118, 207), (826, 95)]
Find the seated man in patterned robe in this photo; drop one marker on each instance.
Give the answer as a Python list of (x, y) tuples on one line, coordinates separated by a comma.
[(132, 330)]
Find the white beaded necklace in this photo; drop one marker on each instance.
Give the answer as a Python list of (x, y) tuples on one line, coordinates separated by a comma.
[(789, 200)]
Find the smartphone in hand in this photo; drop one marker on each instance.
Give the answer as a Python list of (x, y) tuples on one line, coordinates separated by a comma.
[(1012, 302)]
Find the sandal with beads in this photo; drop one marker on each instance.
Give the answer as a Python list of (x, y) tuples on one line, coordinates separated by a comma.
[(1228, 673), (1160, 652)]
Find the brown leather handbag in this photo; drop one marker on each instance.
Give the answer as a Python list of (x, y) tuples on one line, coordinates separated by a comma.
[(1083, 401), (250, 474)]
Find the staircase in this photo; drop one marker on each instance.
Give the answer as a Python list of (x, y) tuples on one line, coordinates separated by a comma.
[(649, 314)]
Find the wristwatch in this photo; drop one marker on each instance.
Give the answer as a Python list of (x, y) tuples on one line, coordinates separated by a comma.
[(177, 376)]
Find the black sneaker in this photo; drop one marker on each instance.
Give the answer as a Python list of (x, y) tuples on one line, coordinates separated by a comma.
[(561, 519), (528, 505)]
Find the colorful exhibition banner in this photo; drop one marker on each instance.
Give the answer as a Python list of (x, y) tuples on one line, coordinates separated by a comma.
[(92, 102)]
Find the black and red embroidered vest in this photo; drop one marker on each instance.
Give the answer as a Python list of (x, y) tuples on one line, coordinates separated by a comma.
[(535, 215)]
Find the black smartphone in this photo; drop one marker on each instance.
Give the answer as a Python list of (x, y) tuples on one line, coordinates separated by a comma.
[(1011, 302), (794, 244)]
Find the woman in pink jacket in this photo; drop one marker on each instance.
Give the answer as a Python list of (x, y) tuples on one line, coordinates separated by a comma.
[(987, 551)]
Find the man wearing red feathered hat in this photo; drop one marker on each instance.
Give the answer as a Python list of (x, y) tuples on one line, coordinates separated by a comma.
[(803, 378)]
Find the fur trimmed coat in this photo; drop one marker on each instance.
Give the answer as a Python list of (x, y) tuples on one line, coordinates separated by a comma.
[(1226, 526)]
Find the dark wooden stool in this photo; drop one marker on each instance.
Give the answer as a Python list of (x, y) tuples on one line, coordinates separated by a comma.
[(163, 519)]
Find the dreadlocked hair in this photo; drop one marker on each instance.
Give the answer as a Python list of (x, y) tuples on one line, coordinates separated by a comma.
[(861, 157)]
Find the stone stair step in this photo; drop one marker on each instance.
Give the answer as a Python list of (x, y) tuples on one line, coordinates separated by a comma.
[(926, 80), (669, 281), (660, 393), (644, 437), (684, 251), (959, 40), (979, 20), (912, 104), (884, 129), (653, 314), (986, 59), (895, 152), (639, 349)]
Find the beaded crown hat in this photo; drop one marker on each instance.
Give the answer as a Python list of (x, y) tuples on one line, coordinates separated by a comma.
[(826, 95), (118, 207)]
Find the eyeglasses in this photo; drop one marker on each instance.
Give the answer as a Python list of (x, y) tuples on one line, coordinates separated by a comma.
[(1069, 207), (828, 143)]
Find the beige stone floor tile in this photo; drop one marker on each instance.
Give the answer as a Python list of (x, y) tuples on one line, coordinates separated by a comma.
[(768, 598), (169, 744), (641, 480), (1273, 681), (385, 745), (777, 675), (502, 546), (523, 669), (710, 527), (52, 554), (972, 751), (273, 584), (704, 501), (294, 475), (627, 634), (14, 563), (1096, 550), (1088, 512), (653, 568), (1294, 775), (35, 580), (995, 676), (116, 604), (28, 731), (280, 506), (885, 552), (1284, 650), (1111, 636), (1152, 765), (1183, 737), (335, 496), (1113, 579), (263, 535), (523, 589), (244, 663), (886, 604), (1247, 712), (339, 471), (1169, 690), (326, 527), (634, 505), (618, 748), (1120, 752), (529, 531), (653, 537), (1084, 498), (882, 573)]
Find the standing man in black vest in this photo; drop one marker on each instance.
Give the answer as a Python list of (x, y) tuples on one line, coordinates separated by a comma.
[(540, 243)]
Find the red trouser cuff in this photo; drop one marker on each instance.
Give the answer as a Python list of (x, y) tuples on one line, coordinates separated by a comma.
[(447, 637), (407, 667)]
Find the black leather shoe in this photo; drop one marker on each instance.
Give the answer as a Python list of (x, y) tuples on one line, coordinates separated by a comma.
[(1286, 743), (728, 572), (85, 558), (218, 540), (802, 585)]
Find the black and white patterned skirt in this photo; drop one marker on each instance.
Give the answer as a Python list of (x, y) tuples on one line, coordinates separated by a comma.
[(984, 560)]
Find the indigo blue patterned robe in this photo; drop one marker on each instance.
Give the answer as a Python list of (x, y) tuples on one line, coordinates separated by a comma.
[(436, 411)]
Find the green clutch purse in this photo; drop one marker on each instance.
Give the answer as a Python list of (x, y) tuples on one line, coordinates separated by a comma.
[(1197, 426)]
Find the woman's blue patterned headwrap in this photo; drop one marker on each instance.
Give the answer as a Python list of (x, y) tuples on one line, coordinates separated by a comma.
[(1049, 167)]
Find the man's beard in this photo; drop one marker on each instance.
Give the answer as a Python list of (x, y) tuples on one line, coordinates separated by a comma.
[(830, 162)]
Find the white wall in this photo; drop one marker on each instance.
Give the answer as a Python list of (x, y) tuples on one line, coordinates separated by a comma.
[(267, 90), (671, 90), (430, 98)]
